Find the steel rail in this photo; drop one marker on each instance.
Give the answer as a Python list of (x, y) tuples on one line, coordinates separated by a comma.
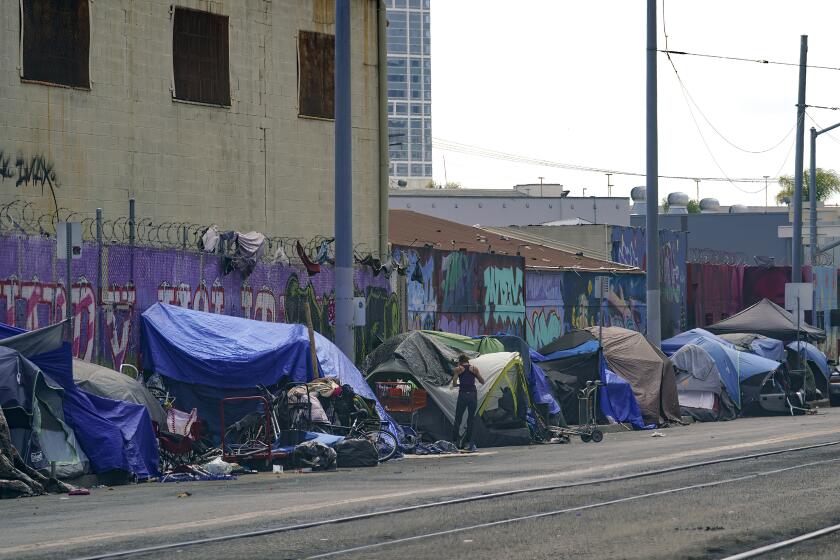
[(760, 551), (454, 501), (510, 520)]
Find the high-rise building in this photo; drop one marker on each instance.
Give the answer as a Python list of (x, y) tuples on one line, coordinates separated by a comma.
[(409, 91)]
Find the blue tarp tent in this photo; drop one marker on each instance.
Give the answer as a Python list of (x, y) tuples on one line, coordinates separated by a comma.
[(813, 354), (735, 366), (206, 357), (115, 435), (574, 355)]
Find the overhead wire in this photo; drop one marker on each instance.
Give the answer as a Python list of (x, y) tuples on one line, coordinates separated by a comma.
[(687, 93), (687, 96), (467, 149), (742, 59)]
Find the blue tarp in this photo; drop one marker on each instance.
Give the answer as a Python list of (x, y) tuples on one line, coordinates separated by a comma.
[(813, 354), (734, 366), (115, 435), (540, 387), (618, 402), (589, 347), (212, 356), (671, 345), (769, 348)]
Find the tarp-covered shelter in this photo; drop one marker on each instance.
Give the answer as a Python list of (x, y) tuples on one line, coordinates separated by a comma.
[(700, 389), (427, 359), (106, 382), (205, 357), (34, 408), (743, 374), (814, 356), (116, 436), (768, 319), (575, 358), (757, 344), (648, 371)]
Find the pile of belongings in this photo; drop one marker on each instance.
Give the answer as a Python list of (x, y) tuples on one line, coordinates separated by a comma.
[(57, 427), (242, 251)]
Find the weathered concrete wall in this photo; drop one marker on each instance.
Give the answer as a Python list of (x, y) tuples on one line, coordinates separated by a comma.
[(256, 165)]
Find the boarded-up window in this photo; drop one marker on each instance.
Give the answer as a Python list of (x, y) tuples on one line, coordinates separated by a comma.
[(56, 42), (200, 57), (316, 68)]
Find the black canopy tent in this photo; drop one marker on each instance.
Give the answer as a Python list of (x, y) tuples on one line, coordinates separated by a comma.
[(767, 319)]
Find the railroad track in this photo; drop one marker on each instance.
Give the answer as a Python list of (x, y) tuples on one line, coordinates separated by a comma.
[(126, 553)]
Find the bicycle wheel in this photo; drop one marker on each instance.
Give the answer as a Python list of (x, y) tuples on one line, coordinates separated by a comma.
[(385, 443)]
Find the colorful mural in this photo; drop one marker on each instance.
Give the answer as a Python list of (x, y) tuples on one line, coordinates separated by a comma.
[(629, 247), (465, 293), (562, 301), (33, 294)]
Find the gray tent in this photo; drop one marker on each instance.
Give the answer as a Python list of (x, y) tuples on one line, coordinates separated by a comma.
[(649, 372), (700, 388), (768, 319), (33, 405), (105, 382)]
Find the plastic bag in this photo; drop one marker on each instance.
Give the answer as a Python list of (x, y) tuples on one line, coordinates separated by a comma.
[(218, 467)]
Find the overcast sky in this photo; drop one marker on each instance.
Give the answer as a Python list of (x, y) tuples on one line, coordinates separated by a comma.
[(565, 81)]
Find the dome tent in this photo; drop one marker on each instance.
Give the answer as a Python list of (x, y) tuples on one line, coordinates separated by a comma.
[(700, 389)]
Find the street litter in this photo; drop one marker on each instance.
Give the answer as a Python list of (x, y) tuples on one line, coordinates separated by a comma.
[(657, 434)]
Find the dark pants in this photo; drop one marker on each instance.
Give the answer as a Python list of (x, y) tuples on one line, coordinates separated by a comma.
[(467, 402)]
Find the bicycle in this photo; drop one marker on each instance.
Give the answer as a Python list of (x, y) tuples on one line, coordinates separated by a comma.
[(364, 427)]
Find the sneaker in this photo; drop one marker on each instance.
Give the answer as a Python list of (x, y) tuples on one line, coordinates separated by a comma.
[(471, 448)]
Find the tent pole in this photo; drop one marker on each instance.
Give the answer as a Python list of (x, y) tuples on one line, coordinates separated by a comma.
[(313, 353)]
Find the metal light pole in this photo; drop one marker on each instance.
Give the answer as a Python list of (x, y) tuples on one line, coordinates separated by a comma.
[(796, 271), (343, 184), (654, 326), (812, 189)]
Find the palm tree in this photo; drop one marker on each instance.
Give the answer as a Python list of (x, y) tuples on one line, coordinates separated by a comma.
[(828, 183)]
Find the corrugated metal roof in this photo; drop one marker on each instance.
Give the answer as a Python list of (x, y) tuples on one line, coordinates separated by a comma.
[(419, 230)]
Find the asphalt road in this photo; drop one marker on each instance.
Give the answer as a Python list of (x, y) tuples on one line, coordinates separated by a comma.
[(704, 512)]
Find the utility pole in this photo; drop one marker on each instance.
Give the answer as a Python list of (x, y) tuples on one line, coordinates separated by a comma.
[(609, 186), (697, 187), (796, 272), (343, 184), (654, 326)]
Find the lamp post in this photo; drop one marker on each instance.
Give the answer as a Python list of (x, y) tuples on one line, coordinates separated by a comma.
[(812, 189)]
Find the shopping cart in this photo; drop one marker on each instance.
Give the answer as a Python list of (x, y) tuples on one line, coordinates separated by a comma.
[(587, 429)]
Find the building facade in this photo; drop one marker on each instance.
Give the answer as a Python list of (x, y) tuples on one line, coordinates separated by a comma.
[(409, 92), (520, 206), (203, 111)]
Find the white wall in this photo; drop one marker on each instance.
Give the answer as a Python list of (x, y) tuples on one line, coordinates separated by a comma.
[(255, 165), (519, 211)]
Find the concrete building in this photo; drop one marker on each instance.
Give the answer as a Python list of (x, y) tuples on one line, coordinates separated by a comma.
[(204, 111), (520, 206), (410, 91)]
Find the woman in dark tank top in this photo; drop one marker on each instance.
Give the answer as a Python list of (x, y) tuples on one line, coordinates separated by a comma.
[(464, 377)]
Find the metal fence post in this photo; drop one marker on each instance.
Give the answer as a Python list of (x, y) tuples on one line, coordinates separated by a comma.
[(131, 233), (99, 291), (68, 255)]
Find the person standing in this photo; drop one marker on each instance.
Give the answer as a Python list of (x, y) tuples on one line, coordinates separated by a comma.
[(464, 377)]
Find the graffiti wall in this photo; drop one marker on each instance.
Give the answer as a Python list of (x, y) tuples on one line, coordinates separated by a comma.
[(562, 301), (463, 292), (106, 329), (629, 247)]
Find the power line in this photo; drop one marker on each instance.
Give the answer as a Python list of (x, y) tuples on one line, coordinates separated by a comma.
[(467, 149), (741, 59), (689, 100)]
